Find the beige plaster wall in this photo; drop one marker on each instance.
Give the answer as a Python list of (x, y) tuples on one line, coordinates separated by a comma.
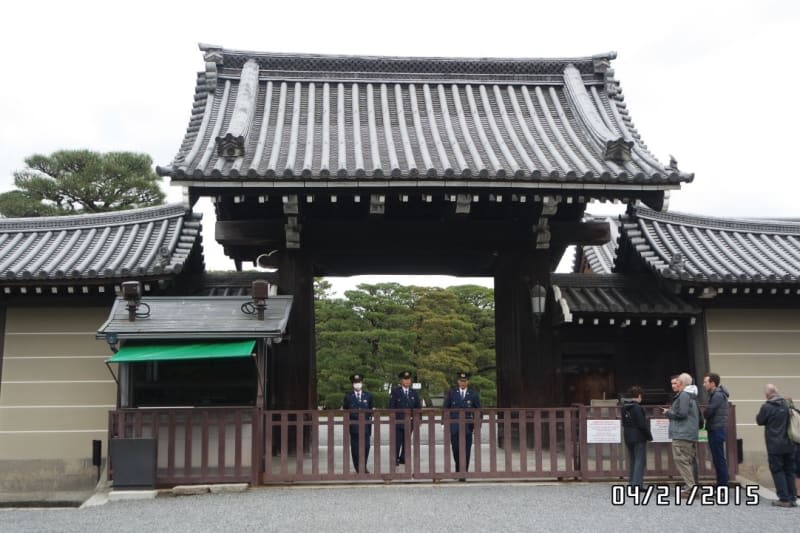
[(749, 348), (55, 395)]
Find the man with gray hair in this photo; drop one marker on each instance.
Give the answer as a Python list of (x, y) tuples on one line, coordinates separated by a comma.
[(774, 416), (683, 429)]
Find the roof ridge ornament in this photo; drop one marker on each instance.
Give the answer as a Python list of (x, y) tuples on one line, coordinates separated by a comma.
[(213, 55), (231, 145), (617, 147), (677, 263), (602, 62)]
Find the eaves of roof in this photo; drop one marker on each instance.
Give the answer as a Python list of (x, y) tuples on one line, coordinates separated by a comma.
[(617, 299), (718, 252), (152, 242), (261, 117)]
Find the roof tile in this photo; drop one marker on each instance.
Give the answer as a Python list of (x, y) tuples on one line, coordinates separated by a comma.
[(280, 117), (694, 248), (120, 244)]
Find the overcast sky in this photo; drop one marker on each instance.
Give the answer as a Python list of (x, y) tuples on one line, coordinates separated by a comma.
[(712, 83)]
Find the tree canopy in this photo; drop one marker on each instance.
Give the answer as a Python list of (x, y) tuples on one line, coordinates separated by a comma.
[(382, 329), (81, 181)]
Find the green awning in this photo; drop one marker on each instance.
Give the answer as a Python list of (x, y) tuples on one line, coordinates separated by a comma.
[(182, 351)]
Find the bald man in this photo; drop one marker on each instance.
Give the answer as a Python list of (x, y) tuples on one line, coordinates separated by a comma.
[(774, 416)]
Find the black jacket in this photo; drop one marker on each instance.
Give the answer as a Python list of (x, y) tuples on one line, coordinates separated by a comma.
[(717, 411), (774, 416), (634, 423)]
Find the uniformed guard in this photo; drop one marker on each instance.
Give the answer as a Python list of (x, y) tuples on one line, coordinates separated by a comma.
[(458, 398), (403, 397), (356, 400)]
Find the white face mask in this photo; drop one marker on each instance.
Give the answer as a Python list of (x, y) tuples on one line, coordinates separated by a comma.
[(357, 386)]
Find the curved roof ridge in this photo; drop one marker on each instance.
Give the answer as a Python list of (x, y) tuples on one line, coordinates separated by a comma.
[(373, 63), (109, 218), (754, 225)]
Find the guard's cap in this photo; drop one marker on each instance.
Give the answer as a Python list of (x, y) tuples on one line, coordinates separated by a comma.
[(405, 374), (356, 378), (463, 375)]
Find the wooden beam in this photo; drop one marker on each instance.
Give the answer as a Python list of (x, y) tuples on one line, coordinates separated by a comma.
[(582, 233), (248, 232)]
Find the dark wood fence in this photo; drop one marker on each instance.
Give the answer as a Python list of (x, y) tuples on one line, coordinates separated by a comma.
[(608, 461), (196, 445), (507, 443), (211, 445)]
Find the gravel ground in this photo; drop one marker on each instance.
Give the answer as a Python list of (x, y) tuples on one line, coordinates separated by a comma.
[(419, 507)]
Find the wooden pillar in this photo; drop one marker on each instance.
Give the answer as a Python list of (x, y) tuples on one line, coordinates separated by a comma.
[(292, 377), (262, 347), (525, 358), (698, 350)]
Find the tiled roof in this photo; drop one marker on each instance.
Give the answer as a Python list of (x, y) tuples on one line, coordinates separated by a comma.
[(600, 258), (616, 294), (195, 317), (123, 244), (272, 117), (231, 283), (713, 250)]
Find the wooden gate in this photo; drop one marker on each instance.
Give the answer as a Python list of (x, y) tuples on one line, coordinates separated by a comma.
[(215, 445), (507, 443)]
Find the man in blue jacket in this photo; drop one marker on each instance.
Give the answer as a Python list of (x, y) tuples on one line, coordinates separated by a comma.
[(774, 416), (359, 400), (716, 415), (461, 398), (403, 397)]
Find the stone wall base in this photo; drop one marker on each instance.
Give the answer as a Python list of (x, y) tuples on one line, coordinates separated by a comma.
[(47, 480)]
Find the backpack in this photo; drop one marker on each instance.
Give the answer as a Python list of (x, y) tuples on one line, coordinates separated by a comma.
[(793, 427)]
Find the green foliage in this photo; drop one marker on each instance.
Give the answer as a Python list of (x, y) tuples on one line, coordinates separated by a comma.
[(81, 181), (322, 289), (380, 330)]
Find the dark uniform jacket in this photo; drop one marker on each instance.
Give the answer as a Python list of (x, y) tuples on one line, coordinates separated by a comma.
[(352, 404), (398, 400), (453, 400), (774, 416)]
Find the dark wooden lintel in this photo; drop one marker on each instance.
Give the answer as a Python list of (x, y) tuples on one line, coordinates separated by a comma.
[(582, 233), (249, 232)]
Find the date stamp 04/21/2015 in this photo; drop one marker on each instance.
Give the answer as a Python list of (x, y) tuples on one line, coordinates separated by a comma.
[(697, 495)]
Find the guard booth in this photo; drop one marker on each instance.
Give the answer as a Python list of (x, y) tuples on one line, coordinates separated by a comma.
[(191, 374)]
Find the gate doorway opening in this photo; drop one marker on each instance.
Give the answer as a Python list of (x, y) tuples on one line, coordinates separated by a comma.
[(382, 327)]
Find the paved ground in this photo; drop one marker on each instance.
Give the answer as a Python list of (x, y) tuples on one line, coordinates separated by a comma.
[(404, 507)]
